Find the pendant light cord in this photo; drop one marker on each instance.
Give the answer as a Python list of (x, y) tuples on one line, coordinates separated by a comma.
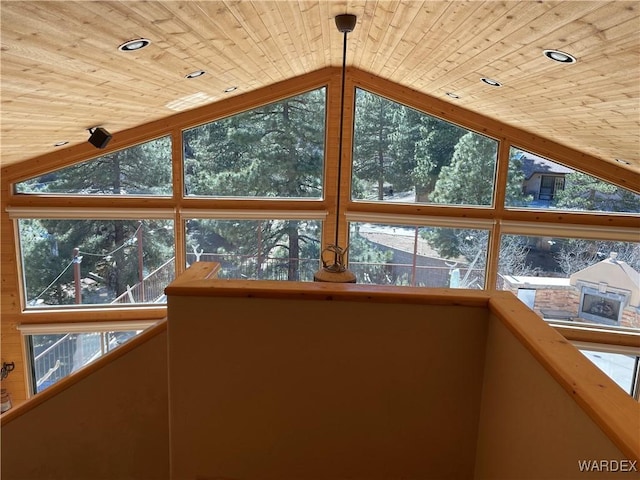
[(344, 67)]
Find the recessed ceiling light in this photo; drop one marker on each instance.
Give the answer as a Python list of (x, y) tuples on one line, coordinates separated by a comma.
[(619, 160), (60, 144), (230, 89), (196, 74), (559, 56), (491, 82), (452, 95), (132, 45)]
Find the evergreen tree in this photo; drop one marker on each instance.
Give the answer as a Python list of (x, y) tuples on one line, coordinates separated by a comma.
[(469, 179), (45, 271), (375, 127), (433, 151), (584, 192), (514, 195), (273, 151), (259, 248), (403, 148), (208, 151), (143, 169)]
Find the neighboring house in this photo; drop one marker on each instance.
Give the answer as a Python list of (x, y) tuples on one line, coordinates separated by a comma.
[(606, 293), (542, 178), (607, 289)]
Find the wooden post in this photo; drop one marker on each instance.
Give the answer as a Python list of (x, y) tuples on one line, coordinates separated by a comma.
[(415, 258), (140, 262), (77, 260)]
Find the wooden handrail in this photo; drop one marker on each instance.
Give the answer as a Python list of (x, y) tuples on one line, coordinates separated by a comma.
[(78, 375), (197, 271), (613, 410), (588, 334), (199, 280)]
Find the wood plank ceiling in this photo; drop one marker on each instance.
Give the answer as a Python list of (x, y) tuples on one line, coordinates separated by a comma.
[(63, 73)]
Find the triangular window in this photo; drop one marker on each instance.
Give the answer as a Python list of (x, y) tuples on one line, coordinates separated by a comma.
[(143, 169), (536, 182)]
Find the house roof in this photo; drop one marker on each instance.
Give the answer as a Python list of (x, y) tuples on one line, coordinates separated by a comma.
[(62, 72), (532, 164)]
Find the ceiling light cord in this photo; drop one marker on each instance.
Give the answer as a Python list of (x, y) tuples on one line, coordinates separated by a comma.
[(341, 134)]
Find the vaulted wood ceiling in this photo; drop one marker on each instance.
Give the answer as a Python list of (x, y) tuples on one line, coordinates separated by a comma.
[(63, 73)]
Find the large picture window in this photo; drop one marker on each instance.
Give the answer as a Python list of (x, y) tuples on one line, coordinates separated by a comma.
[(275, 151), (424, 256), (74, 262), (574, 279), (143, 169), (403, 155), (622, 368), (536, 182), (273, 249), (53, 356)]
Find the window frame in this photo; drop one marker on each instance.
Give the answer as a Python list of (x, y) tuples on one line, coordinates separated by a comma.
[(182, 193), (252, 215), (81, 160), (19, 213), (28, 330), (561, 211), (352, 203), (487, 225), (619, 350), (569, 231)]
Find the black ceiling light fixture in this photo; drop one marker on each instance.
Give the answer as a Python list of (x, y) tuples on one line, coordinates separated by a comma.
[(99, 137), (133, 45), (337, 272), (558, 56)]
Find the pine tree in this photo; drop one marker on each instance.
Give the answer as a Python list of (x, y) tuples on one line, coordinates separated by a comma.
[(468, 180), (433, 151), (514, 196), (373, 161), (584, 192), (408, 133), (143, 169)]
